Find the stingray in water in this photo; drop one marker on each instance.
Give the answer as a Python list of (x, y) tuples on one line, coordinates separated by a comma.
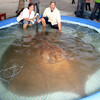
[(45, 63)]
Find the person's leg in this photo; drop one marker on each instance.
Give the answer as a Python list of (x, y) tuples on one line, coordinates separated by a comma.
[(72, 1), (43, 22), (89, 6), (78, 8), (94, 11), (98, 16), (55, 26), (26, 23), (24, 26), (37, 6), (86, 6), (83, 4), (30, 23)]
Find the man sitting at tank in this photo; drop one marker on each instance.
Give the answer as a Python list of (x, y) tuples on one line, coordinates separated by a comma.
[(27, 16), (51, 16)]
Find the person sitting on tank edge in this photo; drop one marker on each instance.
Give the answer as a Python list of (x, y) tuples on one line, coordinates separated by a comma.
[(96, 8), (27, 16), (51, 16)]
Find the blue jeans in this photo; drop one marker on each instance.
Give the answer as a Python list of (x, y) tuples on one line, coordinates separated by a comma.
[(25, 22), (96, 8), (80, 8)]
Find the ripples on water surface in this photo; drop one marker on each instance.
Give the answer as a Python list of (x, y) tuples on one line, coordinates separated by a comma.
[(36, 64)]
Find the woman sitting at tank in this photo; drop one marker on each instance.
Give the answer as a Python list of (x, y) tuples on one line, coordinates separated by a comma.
[(27, 16)]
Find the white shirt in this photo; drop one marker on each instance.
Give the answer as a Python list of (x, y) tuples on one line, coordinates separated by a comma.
[(25, 14), (53, 17)]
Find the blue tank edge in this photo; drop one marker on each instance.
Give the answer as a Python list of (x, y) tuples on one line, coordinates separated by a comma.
[(13, 20), (95, 96), (82, 21), (6, 22)]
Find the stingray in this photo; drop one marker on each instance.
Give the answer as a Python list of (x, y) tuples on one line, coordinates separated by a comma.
[(44, 63)]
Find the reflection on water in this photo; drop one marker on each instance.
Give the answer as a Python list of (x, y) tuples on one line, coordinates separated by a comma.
[(48, 62)]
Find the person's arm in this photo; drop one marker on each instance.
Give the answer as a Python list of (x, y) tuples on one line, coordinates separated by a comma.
[(33, 18), (94, 2), (27, 19), (39, 20), (59, 21), (59, 27), (44, 15)]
